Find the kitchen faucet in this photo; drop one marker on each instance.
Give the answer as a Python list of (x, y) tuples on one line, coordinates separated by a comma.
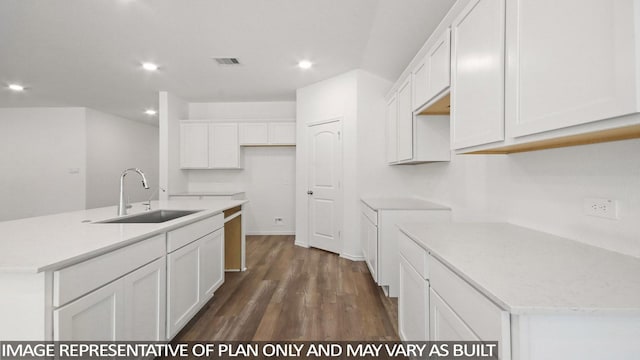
[(122, 207)]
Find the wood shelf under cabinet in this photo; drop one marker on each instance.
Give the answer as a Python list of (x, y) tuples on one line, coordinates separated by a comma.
[(441, 106)]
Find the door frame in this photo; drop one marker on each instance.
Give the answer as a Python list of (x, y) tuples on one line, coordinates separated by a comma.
[(339, 173)]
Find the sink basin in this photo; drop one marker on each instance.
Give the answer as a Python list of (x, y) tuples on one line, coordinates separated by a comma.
[(153, 217)]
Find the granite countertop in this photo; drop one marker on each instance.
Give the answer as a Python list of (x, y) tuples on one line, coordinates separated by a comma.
[(51, 242), (528, 272), (402, 203)]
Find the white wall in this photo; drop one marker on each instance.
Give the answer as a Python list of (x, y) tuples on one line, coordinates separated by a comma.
[(115, 144), (42, 160), (171, 109), (268, 177), (325, 100)]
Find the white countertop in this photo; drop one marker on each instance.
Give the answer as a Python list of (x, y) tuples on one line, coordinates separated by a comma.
[(208, 193), (402, 203), (51, 242), (526, 271)]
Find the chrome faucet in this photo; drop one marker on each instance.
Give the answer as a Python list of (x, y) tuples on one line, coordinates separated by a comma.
[(122, 206)]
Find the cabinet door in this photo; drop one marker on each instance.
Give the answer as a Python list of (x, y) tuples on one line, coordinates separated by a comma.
[(253, 133), (392, 130), (405, 122), (194, 142), (419, 81), (211, 263), (144, 302), (574, 62), (370, 245), (224, 149), (439, 63), (98, 316), (477, 81), (413, 304), (183, 286), (282, 133), (446, 325)]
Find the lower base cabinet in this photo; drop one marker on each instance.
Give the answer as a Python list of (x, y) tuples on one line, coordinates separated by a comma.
[(445, 325), (413, 321), (194, 272), (130, 308)]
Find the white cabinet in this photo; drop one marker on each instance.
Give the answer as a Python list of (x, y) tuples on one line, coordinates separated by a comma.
[(477, 74), (98, 316), (405, 122), (431, 77), (183, 288), (224, 149), (369, 235), (413, 304), (392, 129), (573, 62), (414, 139), (439, 66), (194, 145), (254, 133), (267, 133), (282, 133), (379, 236), (445, 325), (211, 263), (144, 302), (209, 145), (130, 308), (194, 271)]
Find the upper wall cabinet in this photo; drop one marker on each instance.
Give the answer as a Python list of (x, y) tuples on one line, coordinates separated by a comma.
[(431, 77), (405, 122), (268, 133), (477, 81), (392, 129), (194, 145), (209, 145), (573, 62)]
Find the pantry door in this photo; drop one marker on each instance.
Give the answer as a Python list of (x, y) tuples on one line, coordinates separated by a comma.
[(325, 186)]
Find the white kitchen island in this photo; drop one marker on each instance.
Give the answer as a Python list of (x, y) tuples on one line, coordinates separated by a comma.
[(66, 277), (541, 296)]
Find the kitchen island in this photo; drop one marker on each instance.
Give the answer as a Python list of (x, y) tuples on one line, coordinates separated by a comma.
[(68, 277)]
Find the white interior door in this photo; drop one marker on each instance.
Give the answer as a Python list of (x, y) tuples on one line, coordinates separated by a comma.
[(325, 179)]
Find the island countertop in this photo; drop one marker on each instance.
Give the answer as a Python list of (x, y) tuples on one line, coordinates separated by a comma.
[(47, 243), (530, 272)]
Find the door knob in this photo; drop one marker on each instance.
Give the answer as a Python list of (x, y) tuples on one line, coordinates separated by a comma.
[(309, 192)]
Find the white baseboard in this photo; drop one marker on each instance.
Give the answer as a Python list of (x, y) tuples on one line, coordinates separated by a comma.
[(352, 257), (285, 232), (301, 244)]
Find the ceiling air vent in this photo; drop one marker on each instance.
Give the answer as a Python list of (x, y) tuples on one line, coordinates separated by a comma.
[(227, 61)]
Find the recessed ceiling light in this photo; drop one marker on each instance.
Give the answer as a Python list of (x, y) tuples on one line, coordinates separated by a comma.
[(149, 66), (16, 87), (305, 64), (150, 112)]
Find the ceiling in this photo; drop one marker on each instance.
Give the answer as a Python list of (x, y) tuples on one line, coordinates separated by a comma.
[(89, 53)]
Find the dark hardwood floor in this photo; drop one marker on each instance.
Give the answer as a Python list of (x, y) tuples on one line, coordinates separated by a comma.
[(290, 293)]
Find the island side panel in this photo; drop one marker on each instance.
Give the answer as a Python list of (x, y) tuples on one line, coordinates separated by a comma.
[(25, 307)]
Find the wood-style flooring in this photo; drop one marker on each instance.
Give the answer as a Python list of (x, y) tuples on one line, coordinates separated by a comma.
[(290, 293)]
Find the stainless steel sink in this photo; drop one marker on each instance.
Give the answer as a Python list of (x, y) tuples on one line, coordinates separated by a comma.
[(156, 216)]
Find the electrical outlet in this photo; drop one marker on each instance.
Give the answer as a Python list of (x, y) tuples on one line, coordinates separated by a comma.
[(278, 221), (604, 208)]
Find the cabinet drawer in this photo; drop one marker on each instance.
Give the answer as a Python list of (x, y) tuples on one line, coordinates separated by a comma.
[(77, 280), (186, 234), (488, 321), (371, 214), (414, 254)]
